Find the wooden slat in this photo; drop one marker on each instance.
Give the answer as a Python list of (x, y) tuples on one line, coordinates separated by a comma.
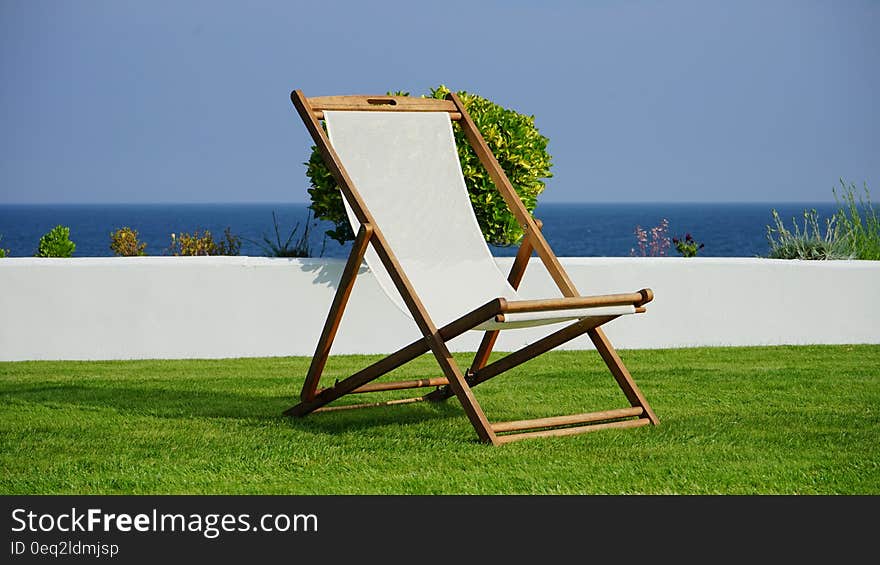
[(401, 385), (572, 431), (334, 317), (454, 116), (381, 102), (556, 421)]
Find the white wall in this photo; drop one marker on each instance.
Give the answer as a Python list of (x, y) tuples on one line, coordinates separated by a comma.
[(210, 307)]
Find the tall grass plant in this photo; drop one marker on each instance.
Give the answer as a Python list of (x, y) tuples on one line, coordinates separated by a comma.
[(807, 242), (857, 217)]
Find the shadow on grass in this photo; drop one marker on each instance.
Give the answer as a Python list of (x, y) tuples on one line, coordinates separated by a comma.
[(164, 403), (374, 417), (182, 403)]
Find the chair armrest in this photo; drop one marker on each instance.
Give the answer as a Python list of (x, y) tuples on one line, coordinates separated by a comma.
[(637, 299)]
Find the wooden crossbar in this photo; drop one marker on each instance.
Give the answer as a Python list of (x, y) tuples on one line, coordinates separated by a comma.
[(558, 421), (370, 404), (573, 431), (401, 385), (319, 115), (381, 103)]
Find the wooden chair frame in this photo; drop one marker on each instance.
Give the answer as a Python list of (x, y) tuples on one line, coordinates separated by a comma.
[(434, 339)]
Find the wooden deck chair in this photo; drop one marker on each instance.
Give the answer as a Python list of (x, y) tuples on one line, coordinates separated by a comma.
[(396, 163)]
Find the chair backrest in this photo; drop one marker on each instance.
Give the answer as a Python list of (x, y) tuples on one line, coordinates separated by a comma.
[(406, 168)]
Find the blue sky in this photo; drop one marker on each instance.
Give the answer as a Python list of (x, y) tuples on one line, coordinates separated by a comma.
[(642, 101)]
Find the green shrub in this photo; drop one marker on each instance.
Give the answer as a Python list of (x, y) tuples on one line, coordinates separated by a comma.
[(203, 244), (688, 246), (858, 219), (124, 243), (517, 144), (56, 243), (809, 243), (3, 252)]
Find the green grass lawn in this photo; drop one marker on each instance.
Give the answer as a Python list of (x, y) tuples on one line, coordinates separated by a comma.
[(733, 420)]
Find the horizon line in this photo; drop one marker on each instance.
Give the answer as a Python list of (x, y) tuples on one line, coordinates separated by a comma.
[(286, 203)]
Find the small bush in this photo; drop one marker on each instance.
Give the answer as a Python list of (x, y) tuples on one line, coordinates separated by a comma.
[(3, 252), (519, 147), (124, 243), (230, 244), (203, 244), (808, 243), (289, 248), (858, 219), (687, 247), (56, 243)]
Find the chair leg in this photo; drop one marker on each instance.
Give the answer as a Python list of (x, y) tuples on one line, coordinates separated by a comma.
[(462, 390), (621, 374), (334, 317)]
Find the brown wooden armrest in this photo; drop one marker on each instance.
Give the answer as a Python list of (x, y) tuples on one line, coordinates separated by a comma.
[(635, 298)]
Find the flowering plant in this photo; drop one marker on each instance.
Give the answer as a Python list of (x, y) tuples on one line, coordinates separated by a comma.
[(687, 247), (656, 245)]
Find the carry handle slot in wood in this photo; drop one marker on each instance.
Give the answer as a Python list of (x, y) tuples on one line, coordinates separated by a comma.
[(382, 101)]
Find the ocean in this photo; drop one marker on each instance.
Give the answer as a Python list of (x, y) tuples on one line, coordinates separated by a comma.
[(573, 230)]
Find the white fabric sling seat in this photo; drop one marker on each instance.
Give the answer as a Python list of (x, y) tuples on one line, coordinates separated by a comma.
[(396, 163), (405, 167)]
